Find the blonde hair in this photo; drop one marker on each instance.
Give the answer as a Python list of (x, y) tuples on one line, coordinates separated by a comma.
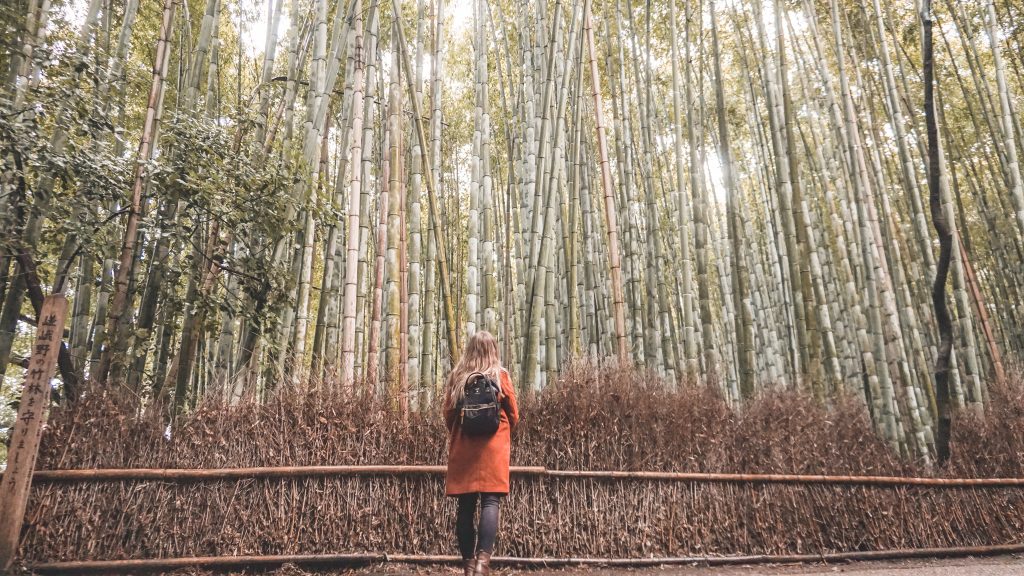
[(481, 355)]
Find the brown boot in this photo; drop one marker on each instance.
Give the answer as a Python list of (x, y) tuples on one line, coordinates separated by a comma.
[(469, 567), (483, 564)]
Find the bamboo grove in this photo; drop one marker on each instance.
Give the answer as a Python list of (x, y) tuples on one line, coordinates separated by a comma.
[(729, 192)]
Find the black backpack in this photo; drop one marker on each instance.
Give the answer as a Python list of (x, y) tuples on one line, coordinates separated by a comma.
[(480, 414)]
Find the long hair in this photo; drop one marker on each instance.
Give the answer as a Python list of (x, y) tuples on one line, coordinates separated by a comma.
[(481, 355)]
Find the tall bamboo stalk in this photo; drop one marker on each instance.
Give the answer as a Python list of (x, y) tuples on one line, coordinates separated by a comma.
[(119, 305), (615, 265)]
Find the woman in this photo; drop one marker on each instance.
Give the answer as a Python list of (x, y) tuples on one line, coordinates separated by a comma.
[(478, 465)]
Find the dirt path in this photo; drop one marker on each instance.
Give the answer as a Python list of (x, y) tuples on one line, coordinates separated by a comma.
[(995, 566), (1002, 566)]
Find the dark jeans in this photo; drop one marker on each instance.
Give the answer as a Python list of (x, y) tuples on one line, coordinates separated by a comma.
[(471, 538)]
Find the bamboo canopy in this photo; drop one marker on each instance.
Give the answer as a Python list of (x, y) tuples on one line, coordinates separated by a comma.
[(745, 196)]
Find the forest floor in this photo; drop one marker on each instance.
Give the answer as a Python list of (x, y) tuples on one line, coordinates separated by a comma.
[(994, 566)]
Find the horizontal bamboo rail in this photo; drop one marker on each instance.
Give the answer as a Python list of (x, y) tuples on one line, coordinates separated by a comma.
[(207, 474), (325, 560), (792, 479), (201, 474)]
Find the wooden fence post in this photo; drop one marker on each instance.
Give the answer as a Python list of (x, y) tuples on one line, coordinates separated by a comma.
[(28, 428)]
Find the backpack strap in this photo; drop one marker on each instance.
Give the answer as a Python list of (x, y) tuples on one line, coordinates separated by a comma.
[(497, 384)]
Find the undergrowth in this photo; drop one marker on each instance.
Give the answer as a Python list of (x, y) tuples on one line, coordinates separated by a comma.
[(593, 418)]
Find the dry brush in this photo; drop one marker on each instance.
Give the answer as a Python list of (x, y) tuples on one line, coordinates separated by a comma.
[(591, 420)]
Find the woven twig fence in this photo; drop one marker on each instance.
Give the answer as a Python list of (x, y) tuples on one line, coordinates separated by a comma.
[(591, 420), (549, 514)]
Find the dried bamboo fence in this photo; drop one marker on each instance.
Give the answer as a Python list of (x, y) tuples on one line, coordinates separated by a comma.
[(685, 487), (550, 514)]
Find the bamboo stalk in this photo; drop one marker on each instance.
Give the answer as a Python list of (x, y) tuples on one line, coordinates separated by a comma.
[(615, 266), (438, 233), (979, 307), (203, 474), (788, 478), (119, 305)]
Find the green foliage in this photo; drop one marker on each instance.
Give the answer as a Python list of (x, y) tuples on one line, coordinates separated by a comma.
[(245, 193)]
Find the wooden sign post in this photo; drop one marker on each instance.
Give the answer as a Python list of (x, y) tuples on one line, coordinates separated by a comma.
[(28, 428)]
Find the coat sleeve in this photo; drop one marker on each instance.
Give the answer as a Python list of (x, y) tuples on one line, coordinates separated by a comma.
[(450, 416), (508, 400)]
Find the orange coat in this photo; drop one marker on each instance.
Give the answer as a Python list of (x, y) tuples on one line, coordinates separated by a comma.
[(480, 463)]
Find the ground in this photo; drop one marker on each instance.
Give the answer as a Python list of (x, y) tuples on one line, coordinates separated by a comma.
[(995, 566)]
